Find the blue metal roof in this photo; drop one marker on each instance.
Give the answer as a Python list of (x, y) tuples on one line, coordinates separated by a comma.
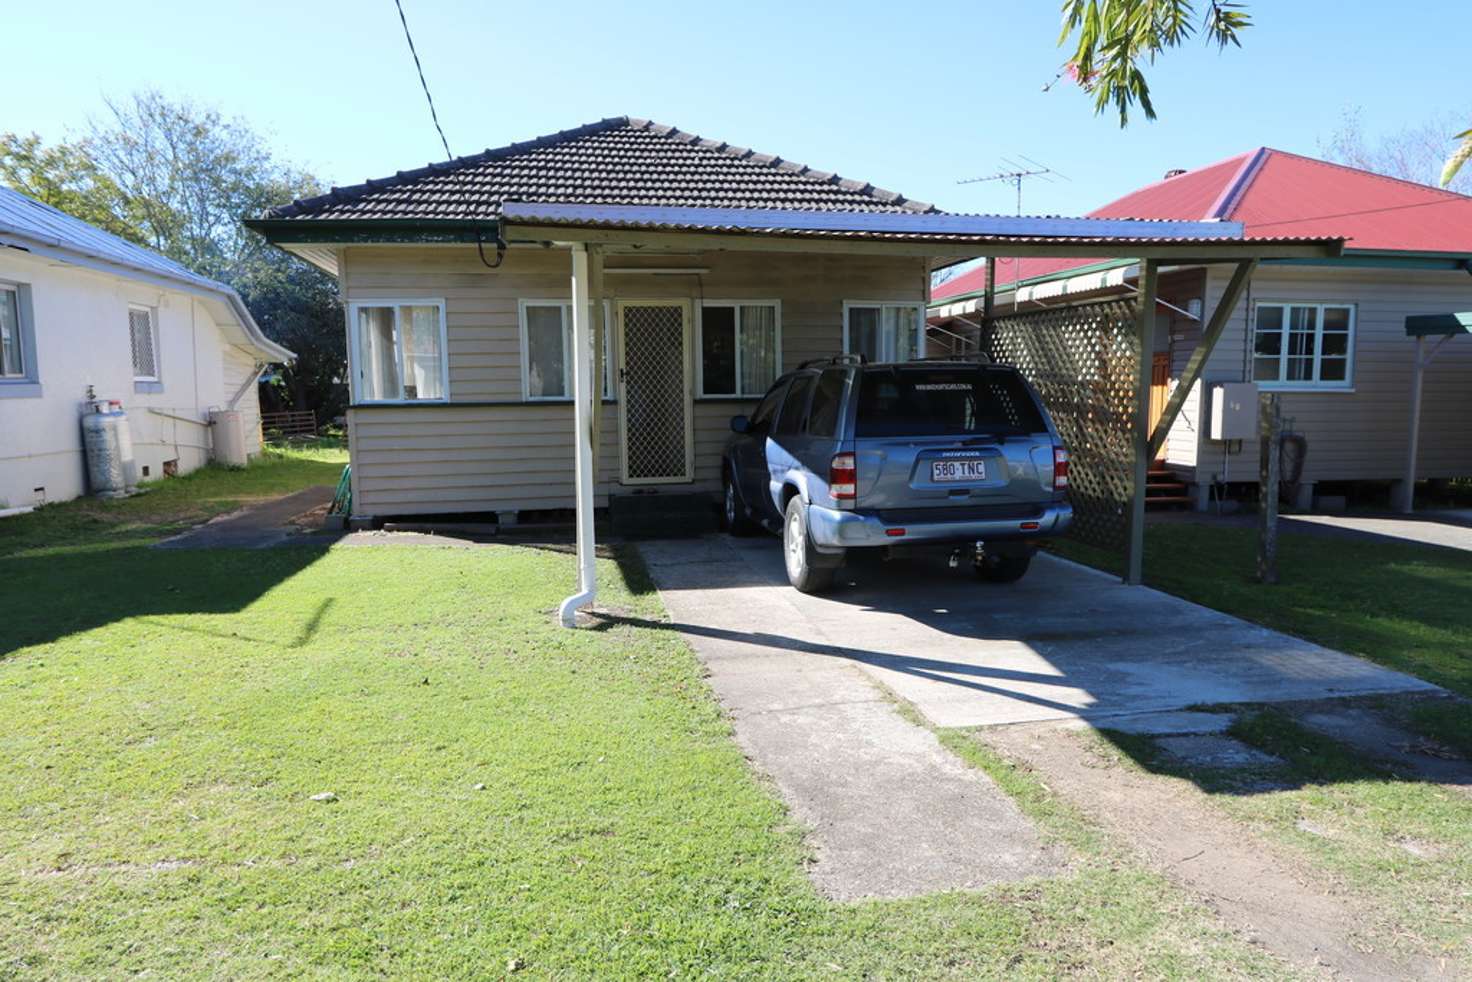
[(28, 217), (878, 223), (30, 221)]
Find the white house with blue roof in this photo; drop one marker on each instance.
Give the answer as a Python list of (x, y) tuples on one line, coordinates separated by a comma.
[(83, 310)]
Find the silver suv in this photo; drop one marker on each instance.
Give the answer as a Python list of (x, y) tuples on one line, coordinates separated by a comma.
[(843, 455)]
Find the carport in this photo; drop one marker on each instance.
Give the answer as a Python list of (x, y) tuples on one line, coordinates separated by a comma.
[(588, 232)]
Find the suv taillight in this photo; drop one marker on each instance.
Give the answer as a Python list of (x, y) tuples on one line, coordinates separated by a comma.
[(842, 477), (1060, 469)]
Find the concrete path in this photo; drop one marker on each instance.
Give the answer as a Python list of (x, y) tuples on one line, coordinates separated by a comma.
[(1064, 642), (1424, 529), (892, 813), (256, 527)]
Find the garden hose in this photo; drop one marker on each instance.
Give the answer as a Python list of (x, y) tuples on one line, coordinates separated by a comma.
[(342, 498)]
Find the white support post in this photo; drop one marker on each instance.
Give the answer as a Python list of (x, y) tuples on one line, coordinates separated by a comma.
[(1407, 490), (1140, 445), (582, 390)]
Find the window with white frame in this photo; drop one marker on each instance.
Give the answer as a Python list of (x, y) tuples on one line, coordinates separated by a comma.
[(1308, 345), (546, 350), (399, 351), (884, 331), (740, 347), (12, 343), (143, 337)]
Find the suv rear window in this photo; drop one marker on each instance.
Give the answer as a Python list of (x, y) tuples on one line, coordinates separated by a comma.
[(922, 401)]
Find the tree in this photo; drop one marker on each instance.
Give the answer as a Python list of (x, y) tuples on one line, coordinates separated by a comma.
[(177, 178), (64, 177), (1113, 38), (1413, 153)]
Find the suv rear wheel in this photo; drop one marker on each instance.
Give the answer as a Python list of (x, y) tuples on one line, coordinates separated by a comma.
[(733, 512), (1006, 568), (807, 569)]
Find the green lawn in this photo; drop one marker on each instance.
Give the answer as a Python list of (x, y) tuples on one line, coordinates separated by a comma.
[(1404, 606), (509, 795)]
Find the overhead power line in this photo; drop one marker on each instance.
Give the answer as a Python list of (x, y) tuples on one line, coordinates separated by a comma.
[(422, 83)]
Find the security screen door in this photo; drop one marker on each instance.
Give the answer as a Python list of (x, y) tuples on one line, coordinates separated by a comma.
[(657, 432)]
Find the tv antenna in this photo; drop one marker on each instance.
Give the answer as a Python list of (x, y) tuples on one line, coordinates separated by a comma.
[(1014, 173)]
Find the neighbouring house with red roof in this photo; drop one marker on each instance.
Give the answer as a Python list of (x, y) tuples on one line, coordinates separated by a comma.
[(1329, 334)]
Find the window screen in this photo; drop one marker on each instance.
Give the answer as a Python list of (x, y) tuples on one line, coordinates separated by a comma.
[(942, 401), (140, 337)]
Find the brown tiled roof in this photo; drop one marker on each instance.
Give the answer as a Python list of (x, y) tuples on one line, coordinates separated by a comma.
[(617, 161)]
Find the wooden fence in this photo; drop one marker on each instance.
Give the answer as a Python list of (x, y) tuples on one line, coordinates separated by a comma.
[(292, 425), (1082, 360)]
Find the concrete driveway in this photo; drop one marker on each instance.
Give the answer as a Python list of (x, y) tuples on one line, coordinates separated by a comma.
[(1066, 641)]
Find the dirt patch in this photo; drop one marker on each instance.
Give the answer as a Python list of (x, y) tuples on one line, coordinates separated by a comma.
[(1272, 901)]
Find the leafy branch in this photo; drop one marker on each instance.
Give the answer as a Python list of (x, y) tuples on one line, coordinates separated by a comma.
[(1114, 38)]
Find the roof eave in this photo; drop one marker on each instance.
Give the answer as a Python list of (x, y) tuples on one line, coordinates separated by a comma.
[(193, 284)]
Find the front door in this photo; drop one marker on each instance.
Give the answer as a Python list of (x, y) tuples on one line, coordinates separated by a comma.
[(657, 433), (1159, 387)]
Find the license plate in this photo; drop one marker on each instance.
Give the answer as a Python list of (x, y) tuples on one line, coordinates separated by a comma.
[(943, 471)]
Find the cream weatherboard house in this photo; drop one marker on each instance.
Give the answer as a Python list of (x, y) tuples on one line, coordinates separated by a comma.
[(460, 345), (1328, 334), (80, 310)]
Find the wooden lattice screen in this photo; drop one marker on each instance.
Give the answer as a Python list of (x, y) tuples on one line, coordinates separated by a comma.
[(1082, 361)]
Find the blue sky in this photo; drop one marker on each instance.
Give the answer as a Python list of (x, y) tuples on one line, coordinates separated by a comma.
[(909, 96)]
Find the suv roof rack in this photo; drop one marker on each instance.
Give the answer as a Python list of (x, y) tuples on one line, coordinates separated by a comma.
[(852, 358), (976, 356)]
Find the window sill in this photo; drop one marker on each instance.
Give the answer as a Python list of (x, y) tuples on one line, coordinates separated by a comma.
[(557, 401), (464, 403), (1289, 387), (145, 386), (704, 398), (20, 389), (403, 402)]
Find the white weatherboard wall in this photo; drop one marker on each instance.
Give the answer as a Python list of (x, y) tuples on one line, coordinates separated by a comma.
[(1356, 435), (81, 332)]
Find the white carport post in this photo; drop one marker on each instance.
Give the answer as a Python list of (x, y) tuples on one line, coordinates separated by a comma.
[(582, 401)]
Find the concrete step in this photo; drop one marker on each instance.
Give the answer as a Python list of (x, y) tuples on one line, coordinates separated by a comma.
[(662, 514)]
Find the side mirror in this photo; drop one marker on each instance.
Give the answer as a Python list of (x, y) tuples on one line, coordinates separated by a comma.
[(740, 424)]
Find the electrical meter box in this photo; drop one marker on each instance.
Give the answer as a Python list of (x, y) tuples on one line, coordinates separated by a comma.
[(1233, 411)]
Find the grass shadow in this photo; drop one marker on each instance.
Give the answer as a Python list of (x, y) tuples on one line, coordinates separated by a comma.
[(51, 596)]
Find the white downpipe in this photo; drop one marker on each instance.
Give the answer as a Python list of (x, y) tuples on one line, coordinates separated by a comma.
[(582, 401)]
